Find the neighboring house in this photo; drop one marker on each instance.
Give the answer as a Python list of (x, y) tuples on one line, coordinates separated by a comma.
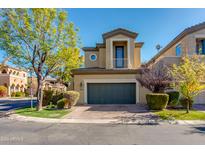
[(49, 84), (189, 42), (111, 69), (13, 78)]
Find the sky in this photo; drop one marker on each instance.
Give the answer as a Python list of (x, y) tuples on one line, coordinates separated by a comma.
[(154, 26)]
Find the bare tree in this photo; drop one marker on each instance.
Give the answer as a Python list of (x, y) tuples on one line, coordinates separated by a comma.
[(156, 78)]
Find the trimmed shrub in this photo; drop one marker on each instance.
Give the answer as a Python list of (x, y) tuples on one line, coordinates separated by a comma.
[(173, 98), (73, 97), (19, 94), (47, 97), (183, 102), (157, 101), (26, 94), (13, 94), (57, 97), (3, 91), (61, 104)]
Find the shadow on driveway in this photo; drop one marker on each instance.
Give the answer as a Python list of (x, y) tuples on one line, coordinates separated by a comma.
[(136, 108), (198, 130)]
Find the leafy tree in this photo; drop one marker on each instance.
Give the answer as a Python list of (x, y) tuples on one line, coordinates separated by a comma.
[(188, 76), (156, 78), (39, 39)]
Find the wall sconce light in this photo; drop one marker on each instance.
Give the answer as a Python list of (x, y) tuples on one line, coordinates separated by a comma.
[(81, 85)]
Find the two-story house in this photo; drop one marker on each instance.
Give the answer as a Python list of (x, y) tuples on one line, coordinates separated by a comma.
[(189, 42), (111, 69)]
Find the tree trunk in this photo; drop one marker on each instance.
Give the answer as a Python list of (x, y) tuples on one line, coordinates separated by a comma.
[(187, 106), (39, 94)]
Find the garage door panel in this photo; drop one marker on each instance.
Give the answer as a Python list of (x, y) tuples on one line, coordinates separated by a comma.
[(111, 93)]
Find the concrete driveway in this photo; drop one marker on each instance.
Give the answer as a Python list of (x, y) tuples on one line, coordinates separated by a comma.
[(119, 112)]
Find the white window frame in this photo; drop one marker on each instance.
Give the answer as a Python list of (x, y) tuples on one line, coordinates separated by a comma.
[(128, 50), (93, 54)]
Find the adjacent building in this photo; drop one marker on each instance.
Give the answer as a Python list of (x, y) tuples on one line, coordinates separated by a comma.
[(189, 42), (49, 84), (13, 78)]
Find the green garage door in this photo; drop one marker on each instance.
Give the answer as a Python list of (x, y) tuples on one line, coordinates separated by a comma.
[(111, 93)]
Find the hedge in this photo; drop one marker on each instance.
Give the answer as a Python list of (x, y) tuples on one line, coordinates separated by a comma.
[(173, 98), (72, 96), (61, 104), (47, 97), (3, 91), (157, 101), (17, 94)]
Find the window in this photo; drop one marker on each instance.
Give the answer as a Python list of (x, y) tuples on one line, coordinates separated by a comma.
[(201, 47), (178, 50), (119, 55), (4, 71), (93, 57)]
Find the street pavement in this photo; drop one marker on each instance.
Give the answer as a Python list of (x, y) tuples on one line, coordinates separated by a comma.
[(16, 132)]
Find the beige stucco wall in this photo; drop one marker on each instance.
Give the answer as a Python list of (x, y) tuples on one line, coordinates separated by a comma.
[(90, 63), (102, 57), (104, 54), (188, 45), (79, 80), (131, 48), (13, 78), (137, 55)]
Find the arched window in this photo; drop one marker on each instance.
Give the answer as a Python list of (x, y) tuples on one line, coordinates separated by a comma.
[(4, 71)]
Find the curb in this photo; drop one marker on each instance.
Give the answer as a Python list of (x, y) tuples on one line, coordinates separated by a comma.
[(52, 120), (105, 121), (5, 113)]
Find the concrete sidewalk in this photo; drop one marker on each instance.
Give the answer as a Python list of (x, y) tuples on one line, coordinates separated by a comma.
[(155, 121)]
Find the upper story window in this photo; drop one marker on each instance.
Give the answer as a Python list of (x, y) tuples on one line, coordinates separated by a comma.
[(93, 57), (178, 50), (200, 47), (119, 56)]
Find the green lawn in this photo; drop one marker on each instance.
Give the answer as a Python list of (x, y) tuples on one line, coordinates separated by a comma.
[(45, 113), (181, 115)]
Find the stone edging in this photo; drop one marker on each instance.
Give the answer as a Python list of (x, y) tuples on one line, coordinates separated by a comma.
[(106, 121)]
